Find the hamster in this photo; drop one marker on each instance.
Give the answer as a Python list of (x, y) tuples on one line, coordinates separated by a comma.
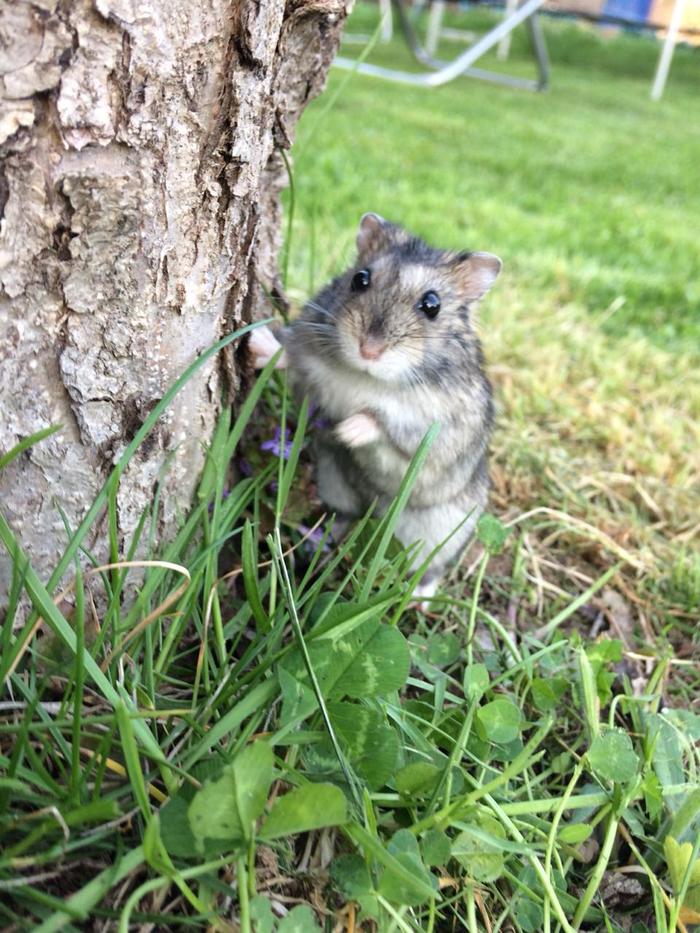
[(384, 351)]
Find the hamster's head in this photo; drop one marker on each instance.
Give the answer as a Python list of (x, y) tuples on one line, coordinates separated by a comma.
[(402, 313)]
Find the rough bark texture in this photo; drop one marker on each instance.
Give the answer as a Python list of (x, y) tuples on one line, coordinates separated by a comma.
[(139, 201)]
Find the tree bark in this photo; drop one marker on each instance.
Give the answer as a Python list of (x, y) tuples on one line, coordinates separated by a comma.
[(139, 192)]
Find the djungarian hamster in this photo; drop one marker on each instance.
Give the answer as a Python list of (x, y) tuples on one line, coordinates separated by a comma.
[(385, 350)]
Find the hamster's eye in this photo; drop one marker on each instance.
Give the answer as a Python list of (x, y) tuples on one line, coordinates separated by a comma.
[(430, 304), (361, 280)]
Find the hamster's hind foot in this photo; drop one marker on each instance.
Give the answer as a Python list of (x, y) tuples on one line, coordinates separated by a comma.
[(423, 594), (262, 345)]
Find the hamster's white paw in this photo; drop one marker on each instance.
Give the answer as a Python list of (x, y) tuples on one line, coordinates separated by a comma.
[(262, 345), (358, 430), (423, 593), (426, 590)]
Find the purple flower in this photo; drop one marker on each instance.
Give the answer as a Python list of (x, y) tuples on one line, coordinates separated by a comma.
[(321, 423), (225, 493), (314, 539), (275, 444)]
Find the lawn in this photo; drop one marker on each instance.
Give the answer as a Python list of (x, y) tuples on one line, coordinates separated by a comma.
[(267, 736), (589, 193)]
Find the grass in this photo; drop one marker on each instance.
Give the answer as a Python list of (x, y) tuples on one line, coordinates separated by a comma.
[(263, 735)]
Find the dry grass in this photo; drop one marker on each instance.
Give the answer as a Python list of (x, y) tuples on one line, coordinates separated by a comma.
[(602, 438), (613, 427)]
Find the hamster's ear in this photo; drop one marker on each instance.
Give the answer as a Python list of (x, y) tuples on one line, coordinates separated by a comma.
[(476, 273), (374, 236)]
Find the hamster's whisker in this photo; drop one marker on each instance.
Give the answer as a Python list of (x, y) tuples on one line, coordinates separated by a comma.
[(422, 337), (342, 308), (316, 325), (323, 337), (317, 307)]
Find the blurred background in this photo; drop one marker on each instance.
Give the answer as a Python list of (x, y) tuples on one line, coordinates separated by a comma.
[(589, 192)]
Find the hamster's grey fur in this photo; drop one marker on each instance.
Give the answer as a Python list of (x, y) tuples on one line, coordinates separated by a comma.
[(381, 371)]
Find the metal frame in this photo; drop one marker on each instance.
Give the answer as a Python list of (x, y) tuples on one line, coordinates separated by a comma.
[(442, 72), (662, 69)]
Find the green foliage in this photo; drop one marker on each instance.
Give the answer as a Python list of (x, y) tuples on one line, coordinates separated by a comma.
[(366, 661), (546, 693), (476, 681), (300, 919), (684, 870), (351, 877), (227, 809), (261, 915), (478, 848), (500, 720), (303, 809), (574, 833), (491, 533), (436, 847), (369, 743), (403, 846), (612, 757)]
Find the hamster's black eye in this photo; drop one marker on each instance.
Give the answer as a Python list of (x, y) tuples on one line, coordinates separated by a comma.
[(361, 280), (430, 304)]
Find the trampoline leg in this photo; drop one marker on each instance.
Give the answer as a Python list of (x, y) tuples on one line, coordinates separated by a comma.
[(437, 11), (442, 72), (504, 44), (387, 20), (539, 47), (667, 51)]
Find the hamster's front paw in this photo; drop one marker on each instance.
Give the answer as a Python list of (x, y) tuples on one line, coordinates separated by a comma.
[(262, 345), (358, 430)]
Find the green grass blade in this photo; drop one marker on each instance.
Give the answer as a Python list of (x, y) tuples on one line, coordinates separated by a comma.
[(249, 559), (26, 443), (45, 607), (83, 902), (131, 759), (392, 516)]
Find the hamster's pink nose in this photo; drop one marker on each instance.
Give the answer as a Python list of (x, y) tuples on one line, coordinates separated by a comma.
[(371, 348)]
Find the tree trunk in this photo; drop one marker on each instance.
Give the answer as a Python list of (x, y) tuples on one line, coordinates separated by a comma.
[(139, 203)]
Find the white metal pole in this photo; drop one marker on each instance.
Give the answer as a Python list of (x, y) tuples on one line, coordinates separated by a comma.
[(432, 38), (504, 45), (387, 20), (667, 50)]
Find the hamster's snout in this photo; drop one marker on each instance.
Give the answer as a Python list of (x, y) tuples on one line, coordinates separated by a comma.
[(371, 348)]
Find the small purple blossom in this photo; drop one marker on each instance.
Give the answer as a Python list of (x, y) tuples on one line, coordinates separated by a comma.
[(314, 539), (225, 493), (321, 423), (245, 467), (274, 445)]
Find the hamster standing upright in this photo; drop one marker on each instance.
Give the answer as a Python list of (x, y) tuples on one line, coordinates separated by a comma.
[(384, 351)]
